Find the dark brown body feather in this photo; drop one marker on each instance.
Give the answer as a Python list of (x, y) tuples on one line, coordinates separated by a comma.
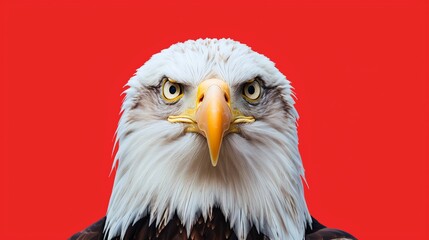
[(215, 228)]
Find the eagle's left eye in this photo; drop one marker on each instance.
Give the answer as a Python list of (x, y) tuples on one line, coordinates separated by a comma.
[(252, 91), (171, 91)]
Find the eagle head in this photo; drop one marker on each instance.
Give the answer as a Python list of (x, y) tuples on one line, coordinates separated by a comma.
[(209, 123)]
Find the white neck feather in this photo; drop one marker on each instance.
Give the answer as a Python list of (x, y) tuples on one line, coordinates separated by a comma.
[(163, 171)]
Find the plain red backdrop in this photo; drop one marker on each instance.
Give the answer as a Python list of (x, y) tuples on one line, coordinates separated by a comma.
[(359, 69)]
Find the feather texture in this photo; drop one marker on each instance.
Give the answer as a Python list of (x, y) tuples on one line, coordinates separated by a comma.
[(216, 228)]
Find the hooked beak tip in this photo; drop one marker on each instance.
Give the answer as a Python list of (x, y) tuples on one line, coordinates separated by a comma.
[(214, 162)]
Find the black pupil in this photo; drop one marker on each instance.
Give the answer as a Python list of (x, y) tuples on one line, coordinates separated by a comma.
[(251, 89), (172, 89)]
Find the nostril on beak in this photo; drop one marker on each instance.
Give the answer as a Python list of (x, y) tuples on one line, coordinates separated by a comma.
[(226, 98), (200, 100)]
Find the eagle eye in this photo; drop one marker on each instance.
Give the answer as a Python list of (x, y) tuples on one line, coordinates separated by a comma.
[(252, 91), (171, 90)]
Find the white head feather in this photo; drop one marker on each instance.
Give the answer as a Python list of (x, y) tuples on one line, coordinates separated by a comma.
[(162, 170)]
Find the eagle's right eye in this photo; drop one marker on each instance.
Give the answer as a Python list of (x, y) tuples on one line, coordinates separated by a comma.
[(171, 90)]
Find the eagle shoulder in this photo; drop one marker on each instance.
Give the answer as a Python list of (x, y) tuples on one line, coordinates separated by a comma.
[(214, 228), (317, 231), (93, 232)]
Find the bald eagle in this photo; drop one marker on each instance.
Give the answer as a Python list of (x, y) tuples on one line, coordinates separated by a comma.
[(208, 149)]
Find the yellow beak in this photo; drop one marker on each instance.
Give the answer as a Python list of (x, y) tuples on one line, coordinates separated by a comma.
[(213, 115)]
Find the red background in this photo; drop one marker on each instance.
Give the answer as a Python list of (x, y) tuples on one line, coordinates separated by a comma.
[(359, 69)]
